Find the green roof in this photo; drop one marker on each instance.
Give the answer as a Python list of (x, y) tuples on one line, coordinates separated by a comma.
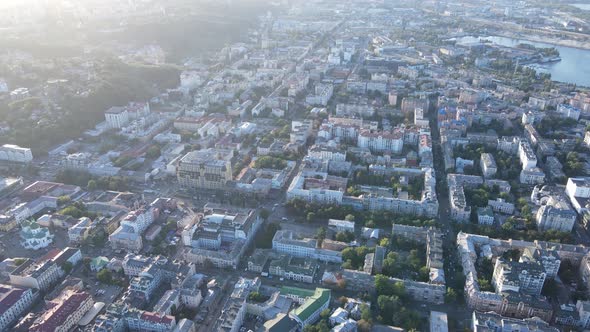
[(301, 292), (99, 261), (320, 297)]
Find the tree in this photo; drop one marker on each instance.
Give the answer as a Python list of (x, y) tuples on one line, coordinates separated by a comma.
[(310, 216), (104, 276), (343, 300), (62, 200), (153, 152), (364, 326), (257, 297), (72, 211), (91, 185), (382, 285), (388, 305), (451, 295), (345, 236), (349, 217), (550, 288), (321, 235), (67, 267), (264, 214), (366, 313)]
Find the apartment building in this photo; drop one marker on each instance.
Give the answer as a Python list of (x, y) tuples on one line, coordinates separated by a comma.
[(527, 277), (64, 312), (527, 156), (488, 165), (381, 141), (14, 303), (35, 275), (556, 215)]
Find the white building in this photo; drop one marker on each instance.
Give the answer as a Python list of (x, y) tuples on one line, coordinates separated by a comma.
[(117, 117), (190, 79), (80, 231), (286, 242), (485, 216), (439, 322), (139, 219), (568, 111), (501, 206), (532, 176), (33, 236), (341, 225), (527, 156), (578, 191), (419, 119), (318, 187), (14, 153), (35, 275), (559, 218), (381, 141), (323, 94), (15, 302), (578, 187), (488, 165)]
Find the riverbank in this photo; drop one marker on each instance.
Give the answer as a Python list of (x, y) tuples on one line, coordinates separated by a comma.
[(543, 39)]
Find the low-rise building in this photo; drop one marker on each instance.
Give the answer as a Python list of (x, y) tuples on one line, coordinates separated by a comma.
[(292, 268), (33, 236), (341, 225), (501, 206), (485, 216), (80, 231), (286, 242), (312, 303), (532, 176)]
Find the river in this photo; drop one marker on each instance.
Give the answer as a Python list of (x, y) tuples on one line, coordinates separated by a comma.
[(574, 66), (583, 6)]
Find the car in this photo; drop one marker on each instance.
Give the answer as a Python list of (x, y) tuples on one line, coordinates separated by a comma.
[(284, 219)]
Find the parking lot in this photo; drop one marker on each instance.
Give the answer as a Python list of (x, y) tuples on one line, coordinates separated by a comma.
[(101, 292)]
